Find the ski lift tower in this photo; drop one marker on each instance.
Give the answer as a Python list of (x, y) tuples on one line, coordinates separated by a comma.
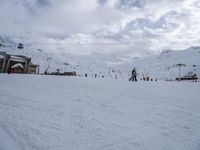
[(66, 64), (179, 70), (48, 62)]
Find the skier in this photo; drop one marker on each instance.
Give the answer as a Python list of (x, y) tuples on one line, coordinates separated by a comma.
[(134, 75), (147, 77)]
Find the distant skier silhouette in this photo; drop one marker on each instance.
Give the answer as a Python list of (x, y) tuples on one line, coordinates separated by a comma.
[(133, 75)]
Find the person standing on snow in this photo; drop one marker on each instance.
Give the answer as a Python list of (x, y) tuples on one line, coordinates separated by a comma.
[(134, 75)]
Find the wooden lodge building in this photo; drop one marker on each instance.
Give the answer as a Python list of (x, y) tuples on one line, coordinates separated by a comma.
[(17, 64)]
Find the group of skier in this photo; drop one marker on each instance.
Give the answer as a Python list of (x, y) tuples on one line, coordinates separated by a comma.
[(134, 76)]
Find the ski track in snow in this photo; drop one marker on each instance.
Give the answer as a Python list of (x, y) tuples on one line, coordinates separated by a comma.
[(7, 142), (59, 113)]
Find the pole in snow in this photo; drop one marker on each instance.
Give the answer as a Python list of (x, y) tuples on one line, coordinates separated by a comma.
[(179, 70)]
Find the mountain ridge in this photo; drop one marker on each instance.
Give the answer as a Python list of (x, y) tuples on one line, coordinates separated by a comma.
[(160, 66)]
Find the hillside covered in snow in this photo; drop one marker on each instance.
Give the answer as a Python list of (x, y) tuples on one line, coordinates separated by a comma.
[(161, 66), (58, 113)]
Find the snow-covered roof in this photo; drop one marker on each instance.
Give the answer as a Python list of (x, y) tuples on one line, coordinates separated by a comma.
[(17, 65), (33, 65), (1, 57), (18, 58)]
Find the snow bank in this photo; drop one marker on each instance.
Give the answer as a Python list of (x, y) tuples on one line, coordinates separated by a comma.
[(59, 113)]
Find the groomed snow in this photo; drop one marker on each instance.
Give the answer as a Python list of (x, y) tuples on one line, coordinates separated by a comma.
[(62, 113)]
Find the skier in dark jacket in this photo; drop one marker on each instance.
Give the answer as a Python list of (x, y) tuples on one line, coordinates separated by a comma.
[(133, 75)]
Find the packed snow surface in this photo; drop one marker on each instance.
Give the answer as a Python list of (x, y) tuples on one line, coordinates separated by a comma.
[(62, 113)]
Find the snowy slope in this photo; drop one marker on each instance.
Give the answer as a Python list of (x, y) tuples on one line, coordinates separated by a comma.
[(166, 62), (94, 63), (161, 66), (59, 113)]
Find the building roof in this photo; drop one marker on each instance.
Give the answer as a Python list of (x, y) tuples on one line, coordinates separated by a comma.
[(1, 57), (33, 65)]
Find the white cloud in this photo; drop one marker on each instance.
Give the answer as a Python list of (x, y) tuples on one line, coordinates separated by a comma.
[(78, 26)]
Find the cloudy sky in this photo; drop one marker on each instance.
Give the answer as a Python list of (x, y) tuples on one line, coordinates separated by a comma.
[(104, 26)]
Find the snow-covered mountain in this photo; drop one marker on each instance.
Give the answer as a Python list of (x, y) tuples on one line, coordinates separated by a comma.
[(161, 66)]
